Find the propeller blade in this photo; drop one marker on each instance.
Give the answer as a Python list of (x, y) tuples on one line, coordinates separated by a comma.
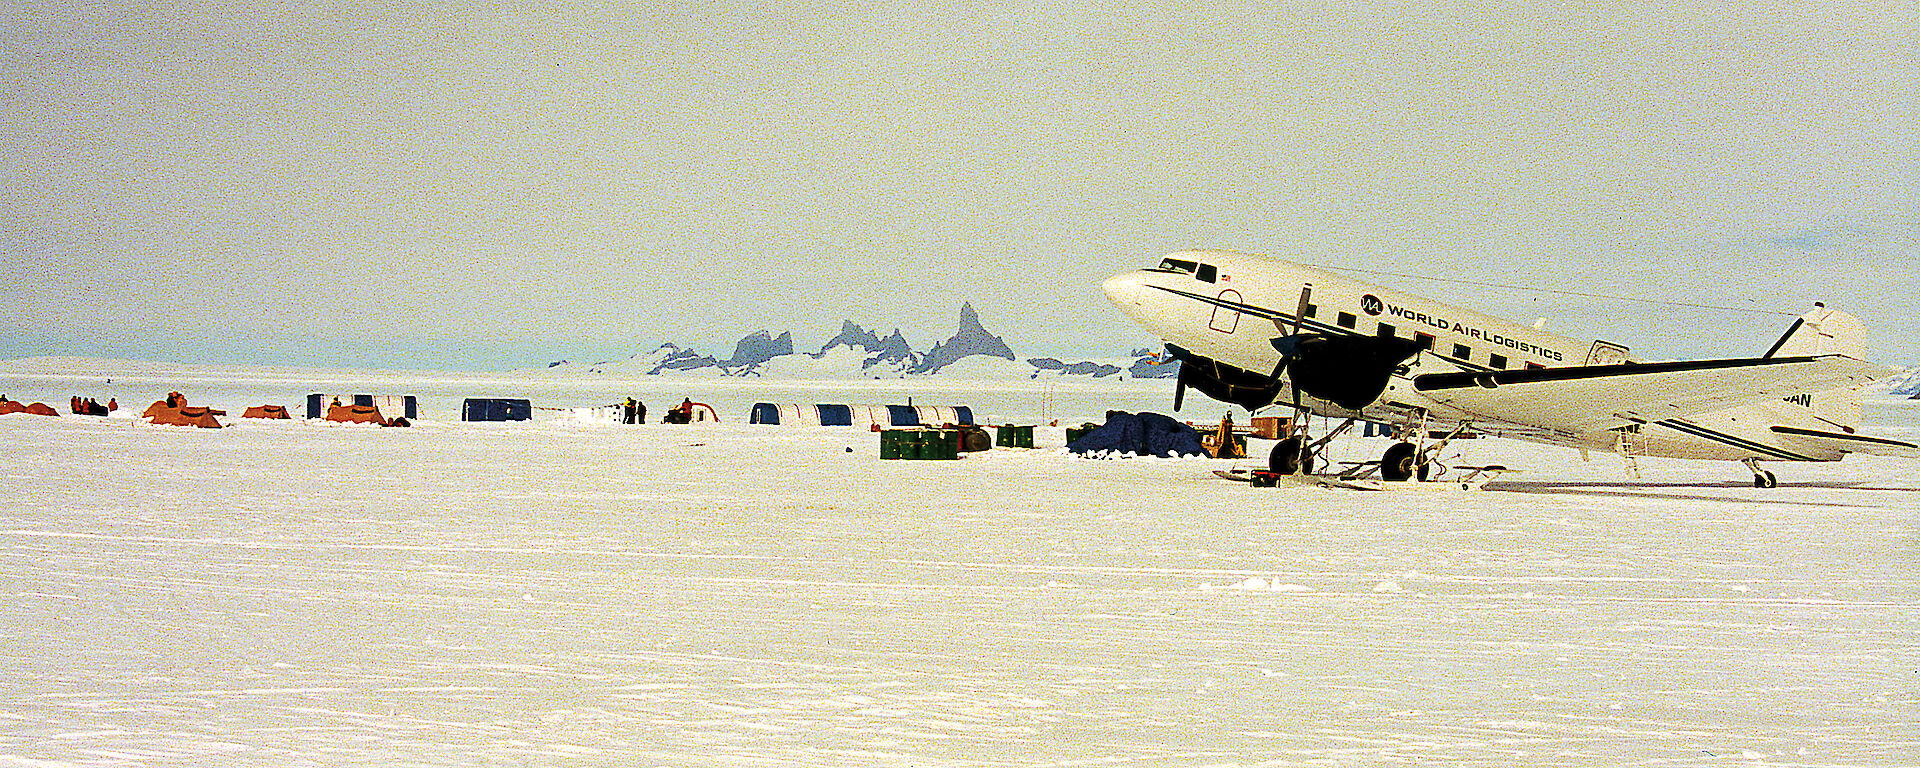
[(1180, 389), (1300, 310)]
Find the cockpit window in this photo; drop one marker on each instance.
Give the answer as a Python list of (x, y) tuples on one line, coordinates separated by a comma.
[(1207, 273), (1176, 265)]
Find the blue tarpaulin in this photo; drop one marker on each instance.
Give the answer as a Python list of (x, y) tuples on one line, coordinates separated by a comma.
[(1145, 434)]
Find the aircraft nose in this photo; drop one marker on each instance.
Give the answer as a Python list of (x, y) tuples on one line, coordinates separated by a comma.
[(1125, 290)]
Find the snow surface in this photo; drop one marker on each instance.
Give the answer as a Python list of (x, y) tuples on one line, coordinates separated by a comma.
[(562, 592)]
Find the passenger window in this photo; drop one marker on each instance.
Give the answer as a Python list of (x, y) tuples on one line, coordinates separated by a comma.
[(1425, 340), (1499, 361), (1207, 273), (1535, 367), (1347, 320), (1386, 331), (1312, 310), (1462, 352)]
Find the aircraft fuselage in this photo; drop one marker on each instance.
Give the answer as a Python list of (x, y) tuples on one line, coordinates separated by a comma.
[(1255, 332)]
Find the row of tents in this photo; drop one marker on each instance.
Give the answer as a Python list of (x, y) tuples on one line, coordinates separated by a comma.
[(844, 415)]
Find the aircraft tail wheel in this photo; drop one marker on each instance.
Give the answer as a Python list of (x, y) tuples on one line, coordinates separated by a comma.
[(1397, 463), (1288, 456), (1766, 480)]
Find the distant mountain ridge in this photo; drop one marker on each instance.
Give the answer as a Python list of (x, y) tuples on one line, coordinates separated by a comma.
[(1907, 383), (857, 352)]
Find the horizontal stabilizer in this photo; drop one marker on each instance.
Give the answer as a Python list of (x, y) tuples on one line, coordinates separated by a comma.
[(1592, 397), (1841, 441)]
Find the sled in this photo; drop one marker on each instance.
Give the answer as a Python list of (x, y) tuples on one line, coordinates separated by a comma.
[(1472, 480)]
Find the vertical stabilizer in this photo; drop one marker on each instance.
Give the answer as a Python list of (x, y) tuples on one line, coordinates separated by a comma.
[(1826, 332), (1823, 332)]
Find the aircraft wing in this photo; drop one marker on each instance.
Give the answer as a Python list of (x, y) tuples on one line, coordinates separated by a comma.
[(1852, 443), (1595, 397)]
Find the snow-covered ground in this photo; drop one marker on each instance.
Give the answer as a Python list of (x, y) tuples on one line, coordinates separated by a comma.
[(569, 593)]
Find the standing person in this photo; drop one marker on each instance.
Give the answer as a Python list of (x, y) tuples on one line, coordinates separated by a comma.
[(627, 411), (642, 412)]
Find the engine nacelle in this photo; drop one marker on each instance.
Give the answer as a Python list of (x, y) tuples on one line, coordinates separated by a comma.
[(1348, 371), (1224, 382)]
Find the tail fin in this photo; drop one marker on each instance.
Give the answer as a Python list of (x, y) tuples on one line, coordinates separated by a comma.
[(1823, 332), (1826, 332)]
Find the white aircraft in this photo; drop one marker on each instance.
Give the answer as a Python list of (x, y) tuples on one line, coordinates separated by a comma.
[(1257, 332)]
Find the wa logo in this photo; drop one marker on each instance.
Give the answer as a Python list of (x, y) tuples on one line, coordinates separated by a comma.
[(1372, 305)]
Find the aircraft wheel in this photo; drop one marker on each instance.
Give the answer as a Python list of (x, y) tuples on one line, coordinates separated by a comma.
[(1766, 480), (1397, 463), (1287, 457)]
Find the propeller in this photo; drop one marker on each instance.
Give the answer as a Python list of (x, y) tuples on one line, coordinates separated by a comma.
[(1348, 371)]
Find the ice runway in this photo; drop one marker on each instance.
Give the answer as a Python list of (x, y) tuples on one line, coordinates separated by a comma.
[(554, 593)]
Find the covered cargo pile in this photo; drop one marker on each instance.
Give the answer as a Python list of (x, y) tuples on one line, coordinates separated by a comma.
[(496, 409), (266, 412), (838, 415), (1145, 434)]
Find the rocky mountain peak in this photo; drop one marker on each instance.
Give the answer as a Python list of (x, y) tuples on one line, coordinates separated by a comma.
[(971, 339), (760, 347)]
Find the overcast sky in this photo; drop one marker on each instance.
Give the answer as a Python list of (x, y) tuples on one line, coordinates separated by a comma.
[(493, 186)]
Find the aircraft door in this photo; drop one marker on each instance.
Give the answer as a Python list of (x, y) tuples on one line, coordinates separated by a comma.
[(1225, 318)]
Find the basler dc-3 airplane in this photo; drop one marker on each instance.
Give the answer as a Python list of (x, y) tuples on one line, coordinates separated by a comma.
[(1258, 332)]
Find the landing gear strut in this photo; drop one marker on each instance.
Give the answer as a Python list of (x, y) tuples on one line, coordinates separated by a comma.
[(1761, 477)]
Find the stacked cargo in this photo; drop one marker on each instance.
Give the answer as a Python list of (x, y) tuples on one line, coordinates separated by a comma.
[(922, 444), (1010, 436)]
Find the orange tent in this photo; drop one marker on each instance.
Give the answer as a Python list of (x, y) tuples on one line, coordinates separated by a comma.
[(187, 416), (42, 409), (180, 414), (356, 414), (266, 412), (11, 406)]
